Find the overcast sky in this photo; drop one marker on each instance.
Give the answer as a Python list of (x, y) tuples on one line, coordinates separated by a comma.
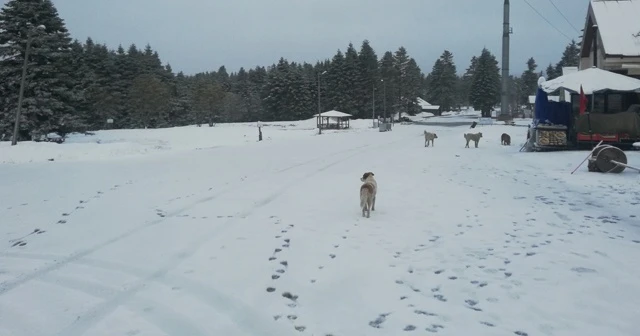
[(201, 35)]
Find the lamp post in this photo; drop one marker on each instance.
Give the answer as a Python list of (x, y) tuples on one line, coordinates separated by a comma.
[(16, 125), (384, 110), (319, 111)]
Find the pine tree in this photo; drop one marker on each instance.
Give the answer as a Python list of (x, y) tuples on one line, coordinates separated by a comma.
[(334, 85), (389, 75), (149, 97), (222, 77), (570, 57), (290, 93), (181, 108), (413, 80), (443, 82), (401, 63), (257, 80), (353, 80), (368, 61), (51, 94), (516, 93), (485, 88), (551, 72), (467, 80), (529, 81)]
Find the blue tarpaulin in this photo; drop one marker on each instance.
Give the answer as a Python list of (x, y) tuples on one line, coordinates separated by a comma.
[(558, 113)]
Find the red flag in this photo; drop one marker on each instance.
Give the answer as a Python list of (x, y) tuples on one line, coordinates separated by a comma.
[(583, 101)]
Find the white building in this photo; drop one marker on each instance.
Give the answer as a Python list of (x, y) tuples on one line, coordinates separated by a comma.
[(611, 37)]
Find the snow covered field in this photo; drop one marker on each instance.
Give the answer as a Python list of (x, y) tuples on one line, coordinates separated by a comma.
[(204, 231)]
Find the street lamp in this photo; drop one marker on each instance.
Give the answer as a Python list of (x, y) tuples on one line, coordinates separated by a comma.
[(319, 111), (384, 110), (16, 125)]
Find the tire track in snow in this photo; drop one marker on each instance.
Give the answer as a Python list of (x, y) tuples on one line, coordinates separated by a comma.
[(83, 324), (12, 284), (161, 316), (93, 316), (201, 292)]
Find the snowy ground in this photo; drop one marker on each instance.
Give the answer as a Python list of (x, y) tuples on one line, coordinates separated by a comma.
[(212, 234)]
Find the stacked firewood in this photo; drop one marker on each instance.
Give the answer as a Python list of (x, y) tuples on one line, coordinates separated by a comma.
[(552, 138)]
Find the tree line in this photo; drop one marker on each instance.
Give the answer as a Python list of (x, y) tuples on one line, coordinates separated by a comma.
[(76, 87)]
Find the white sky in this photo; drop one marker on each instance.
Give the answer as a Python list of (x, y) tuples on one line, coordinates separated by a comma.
[(202, 35)]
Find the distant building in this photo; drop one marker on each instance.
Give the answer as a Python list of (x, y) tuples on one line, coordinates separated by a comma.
[(426, 107), (611, 37), (333, 120)]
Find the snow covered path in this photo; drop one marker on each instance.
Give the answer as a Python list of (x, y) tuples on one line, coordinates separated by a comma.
[(267, 239)]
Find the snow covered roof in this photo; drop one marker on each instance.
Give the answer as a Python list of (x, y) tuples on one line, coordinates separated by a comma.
[(425, 105), (618, 25), (592, 80), (334, 114), (423, 102)]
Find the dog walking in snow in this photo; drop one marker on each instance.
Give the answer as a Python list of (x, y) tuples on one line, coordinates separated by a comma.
[(475, 137), (368, 191), (428, 137), (505, 139)]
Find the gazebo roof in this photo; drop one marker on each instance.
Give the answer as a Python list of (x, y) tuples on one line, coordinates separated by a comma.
[(334, 114)]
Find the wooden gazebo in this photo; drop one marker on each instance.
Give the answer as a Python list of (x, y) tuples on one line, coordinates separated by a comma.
[(333, 120)]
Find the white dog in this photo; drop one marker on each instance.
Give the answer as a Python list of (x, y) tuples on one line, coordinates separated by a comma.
[(428, 137), (368, 192), (475, 137)]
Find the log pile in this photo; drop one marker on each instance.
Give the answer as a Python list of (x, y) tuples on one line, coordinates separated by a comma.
[(551, 138)]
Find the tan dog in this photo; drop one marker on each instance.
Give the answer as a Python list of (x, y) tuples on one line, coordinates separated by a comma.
[(368, 192), (472, 136), (505, 139), (428, 137)]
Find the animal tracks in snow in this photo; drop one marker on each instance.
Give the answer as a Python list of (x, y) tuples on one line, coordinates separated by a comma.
[(65, 216), (280, 266), (475, 281)]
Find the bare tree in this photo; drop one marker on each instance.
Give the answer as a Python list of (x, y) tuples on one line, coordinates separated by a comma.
[(207, 101)]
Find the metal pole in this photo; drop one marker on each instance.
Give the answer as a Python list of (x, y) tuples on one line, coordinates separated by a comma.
[(504, 102), (384, 86), (16, 125), (593, 99)]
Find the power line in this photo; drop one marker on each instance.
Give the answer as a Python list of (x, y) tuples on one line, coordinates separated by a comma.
[(565, 18), (549, 22)]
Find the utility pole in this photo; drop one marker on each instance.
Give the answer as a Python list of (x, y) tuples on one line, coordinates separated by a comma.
[(16, 125), (506, 30)]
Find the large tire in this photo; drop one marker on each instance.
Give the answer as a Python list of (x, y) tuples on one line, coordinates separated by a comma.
[(604, 157)]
